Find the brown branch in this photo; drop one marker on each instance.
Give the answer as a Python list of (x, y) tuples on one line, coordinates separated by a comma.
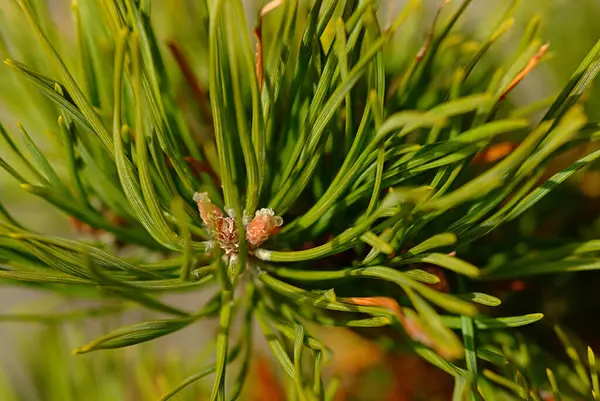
[(383, 302), (399, 80), (270, 6), (198, 167), (199, 93), (411, 326), (494, 153), (259, 54), (421, 53), (530, 66)]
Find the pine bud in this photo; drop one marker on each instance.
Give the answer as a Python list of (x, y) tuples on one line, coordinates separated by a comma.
[(264, 225), (227, 235), (209, 213)]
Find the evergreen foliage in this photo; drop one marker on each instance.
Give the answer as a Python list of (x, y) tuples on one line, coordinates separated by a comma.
[(342, 174)]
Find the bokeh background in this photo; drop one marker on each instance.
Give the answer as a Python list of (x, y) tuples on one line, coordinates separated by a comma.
[(571, 27)]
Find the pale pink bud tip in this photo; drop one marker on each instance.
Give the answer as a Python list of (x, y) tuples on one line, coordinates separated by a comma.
[(264, 225), (201, 197), (208, 211)]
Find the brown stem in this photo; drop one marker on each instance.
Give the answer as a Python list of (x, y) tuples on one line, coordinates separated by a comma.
[(530, 66), (198, 91)]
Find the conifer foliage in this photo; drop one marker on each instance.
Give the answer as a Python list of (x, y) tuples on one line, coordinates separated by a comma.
[(325, 167)]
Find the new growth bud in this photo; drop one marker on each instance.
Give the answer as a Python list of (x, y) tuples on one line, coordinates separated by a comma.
[(264, 225), (209, 213), (224, 229), (227, 235)]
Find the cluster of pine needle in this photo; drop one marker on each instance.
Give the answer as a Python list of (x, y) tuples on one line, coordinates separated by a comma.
[(323, 167)]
